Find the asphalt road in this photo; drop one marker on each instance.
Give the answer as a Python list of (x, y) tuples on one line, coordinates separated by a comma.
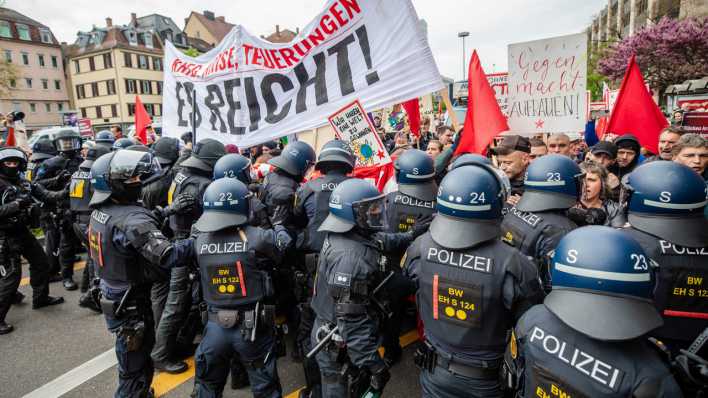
[(66, 351)]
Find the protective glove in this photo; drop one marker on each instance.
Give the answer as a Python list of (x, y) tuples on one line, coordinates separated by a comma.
[(379, 378), (182, 203), (23, 202), (422, 223)]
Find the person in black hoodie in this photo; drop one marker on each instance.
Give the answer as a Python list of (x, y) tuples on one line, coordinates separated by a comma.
[(627, 155)]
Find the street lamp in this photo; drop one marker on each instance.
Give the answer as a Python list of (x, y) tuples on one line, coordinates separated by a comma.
[(463, 35)]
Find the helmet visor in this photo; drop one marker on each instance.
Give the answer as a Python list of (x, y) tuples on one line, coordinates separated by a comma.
[(68, 144), (133, 165), (371, 213)]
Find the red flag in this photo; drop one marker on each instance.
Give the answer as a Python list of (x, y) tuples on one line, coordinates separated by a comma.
[(10, 141), (142, 120), (635, 111), (484, 119), (413, 111)]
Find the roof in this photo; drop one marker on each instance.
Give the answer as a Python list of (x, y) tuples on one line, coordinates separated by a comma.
[(217, 28), (199, 44), (114, 38), (281, 36), (14, 18)]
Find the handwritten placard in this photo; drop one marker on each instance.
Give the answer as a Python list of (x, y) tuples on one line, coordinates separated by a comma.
[(547, 85), (352, 124)]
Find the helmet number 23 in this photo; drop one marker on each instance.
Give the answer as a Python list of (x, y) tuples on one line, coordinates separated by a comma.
[(553, 176), (640, 262)]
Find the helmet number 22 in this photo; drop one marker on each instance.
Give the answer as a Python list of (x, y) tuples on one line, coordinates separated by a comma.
[(224, 196), (640, 262)]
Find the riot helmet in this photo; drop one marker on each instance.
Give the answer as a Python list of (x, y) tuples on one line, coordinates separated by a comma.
[(355, 203), (469, 204), (336, 154), (296, 159), (205, 154), (127, 172), (104, 137), (99, 179), (122, 143), (67, 141), (415, 174), (227, 203), (602, 285), (233, 165), (166, 150), (43, 149), (12, 155), (667, 200), (92, 154), (470, 158), (552, 182)]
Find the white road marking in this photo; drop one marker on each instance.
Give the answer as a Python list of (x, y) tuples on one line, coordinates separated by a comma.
[(76, 377)]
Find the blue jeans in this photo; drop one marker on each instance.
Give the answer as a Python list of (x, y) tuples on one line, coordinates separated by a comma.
[(135, 368), (214, 355), (444, 384)]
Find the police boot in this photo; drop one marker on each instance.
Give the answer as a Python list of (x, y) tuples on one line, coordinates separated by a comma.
[(69, 284), (86, 301), (171, 367), (5, 328), (46, 301)]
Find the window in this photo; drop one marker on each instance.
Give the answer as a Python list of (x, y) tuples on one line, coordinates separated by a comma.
[(28, 82), (60, 106), (23, 31), (130, 86), (148, 109), (33, 107), (145, 87), (48, 106), (128, 60), (13, 83), (55, 62), (131, 109), (111, 87), (57, 84), (46, 36), (80, 92), (157, 63), (45, 84), (114, 110), (159, 88), (158, 109), (25, 59), (8, 56), (94, 89), (77, 67), (99, 114), (143, 62), (147, 38), (40, 57), (5, 29), (133, 38), (17, 106), (92, 65), (83, 113), (107, 61)]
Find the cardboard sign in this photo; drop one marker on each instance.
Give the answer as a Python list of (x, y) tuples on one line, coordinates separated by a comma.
[(547, 84), (352, 124), (85, 126)]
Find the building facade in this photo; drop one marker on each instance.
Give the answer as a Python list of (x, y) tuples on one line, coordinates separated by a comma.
[(109, 66), (40, 89), (206, 27)]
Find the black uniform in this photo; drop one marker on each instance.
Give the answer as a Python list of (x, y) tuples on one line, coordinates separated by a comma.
[(549, 359), (156, 188), (79, 197), (468, 300)]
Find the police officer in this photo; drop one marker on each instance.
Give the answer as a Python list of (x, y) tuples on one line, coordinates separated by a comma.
[(471, 287), (105, 139), (42, 150), (665, 202), (16, 239), (234, 165), (345, 296), (587, 339), (235, 289), (122, 143), (166, 151), (126, 243), (539, 221), (60, 168), (192, 179)]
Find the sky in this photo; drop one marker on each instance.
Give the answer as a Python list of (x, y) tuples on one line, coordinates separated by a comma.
[(492, 24)]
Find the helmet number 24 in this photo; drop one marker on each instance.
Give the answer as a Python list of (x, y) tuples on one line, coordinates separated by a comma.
[(640, 262), (477, 197)]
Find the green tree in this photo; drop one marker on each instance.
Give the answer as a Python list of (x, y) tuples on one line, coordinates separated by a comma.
[(191, 51), (595, 78)]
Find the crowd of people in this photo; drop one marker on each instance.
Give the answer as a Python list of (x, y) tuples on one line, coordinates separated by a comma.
[(549, 267)]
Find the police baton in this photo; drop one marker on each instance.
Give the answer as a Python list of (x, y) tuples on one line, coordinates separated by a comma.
[(322, 343)]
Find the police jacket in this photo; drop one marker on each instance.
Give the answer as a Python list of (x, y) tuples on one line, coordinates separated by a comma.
[(681, 292), (403, 211), (231, 274), (535, 234), (469, 299), (155, 190), (278, 196), (128, 248), (312, 207), (194, 182), (348, 272), (552, 360), (53, 167), (80, 192), (12, 216)]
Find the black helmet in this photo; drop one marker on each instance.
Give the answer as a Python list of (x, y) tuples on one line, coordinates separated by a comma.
[(43, 149), (336, 153), (205, 154), (99, 179), (67, 140), (227, 203), (667, 200), (355, 202), (552, 183), (469, 203), (128, 170), (92, 154), (166, 150), (105, 137), (415, 174), (11, 154), (122, 143), (233, 165), (295, 159)]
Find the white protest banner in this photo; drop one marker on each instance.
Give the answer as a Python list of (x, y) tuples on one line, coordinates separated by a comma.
[(547, 84), (352, 124), (249, 90), (499, 82)]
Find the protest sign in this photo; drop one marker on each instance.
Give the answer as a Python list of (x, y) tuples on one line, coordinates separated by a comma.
[(695, 122), (612, 99), (249, 90), (499, 82), (547, 84), (85, 126), (351, 124)]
